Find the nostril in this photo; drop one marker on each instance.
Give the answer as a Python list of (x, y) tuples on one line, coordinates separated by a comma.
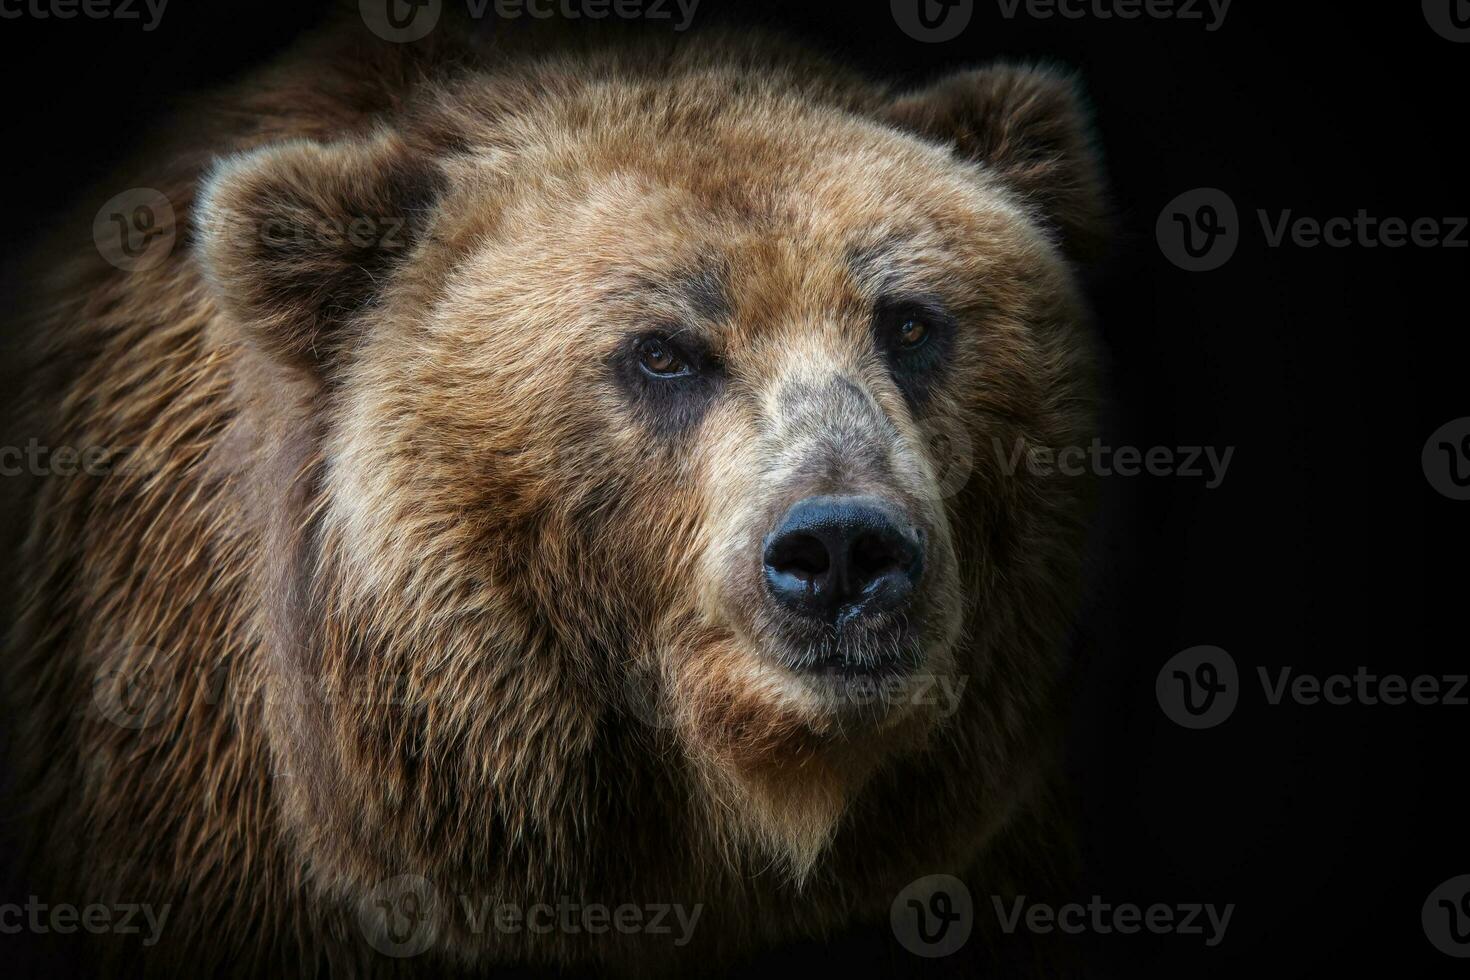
[(874, 555), (802, 555)]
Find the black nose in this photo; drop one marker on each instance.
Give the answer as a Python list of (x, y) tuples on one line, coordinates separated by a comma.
[(834, 558)]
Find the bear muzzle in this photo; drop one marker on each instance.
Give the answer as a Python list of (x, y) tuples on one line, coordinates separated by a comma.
[(849, 566)]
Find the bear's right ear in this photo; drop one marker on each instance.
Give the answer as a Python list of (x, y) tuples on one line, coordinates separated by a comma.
[(297, 239), (1030, 127)]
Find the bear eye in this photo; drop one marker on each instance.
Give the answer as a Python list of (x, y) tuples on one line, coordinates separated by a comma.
[(916, 336), (661, 359), (905, 326), (912, 332), (669, 383)]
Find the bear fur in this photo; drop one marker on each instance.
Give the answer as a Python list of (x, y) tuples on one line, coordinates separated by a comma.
[(384, 579)]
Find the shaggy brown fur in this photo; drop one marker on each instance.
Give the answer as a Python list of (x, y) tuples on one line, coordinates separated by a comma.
[(391, 554)]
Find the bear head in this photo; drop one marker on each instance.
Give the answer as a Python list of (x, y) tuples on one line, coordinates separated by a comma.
[(648, 428)]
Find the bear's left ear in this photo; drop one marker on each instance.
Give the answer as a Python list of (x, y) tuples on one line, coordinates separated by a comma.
[(1028, 126), (298, 239)]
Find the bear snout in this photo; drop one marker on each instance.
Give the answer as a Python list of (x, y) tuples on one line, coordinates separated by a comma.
[(842, 563), (837, 559)]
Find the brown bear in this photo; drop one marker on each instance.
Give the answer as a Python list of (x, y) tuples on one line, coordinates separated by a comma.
[(495, 474)]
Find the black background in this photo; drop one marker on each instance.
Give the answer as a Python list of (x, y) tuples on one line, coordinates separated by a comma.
[(1327, 369)]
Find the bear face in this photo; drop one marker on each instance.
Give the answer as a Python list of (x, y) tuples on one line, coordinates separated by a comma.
[(649, 397)]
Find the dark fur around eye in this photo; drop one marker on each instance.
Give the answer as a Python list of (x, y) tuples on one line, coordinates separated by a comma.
[(674, 402), (917, 369)]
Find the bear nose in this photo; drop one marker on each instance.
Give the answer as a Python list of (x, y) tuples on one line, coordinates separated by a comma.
[(835, 558)]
